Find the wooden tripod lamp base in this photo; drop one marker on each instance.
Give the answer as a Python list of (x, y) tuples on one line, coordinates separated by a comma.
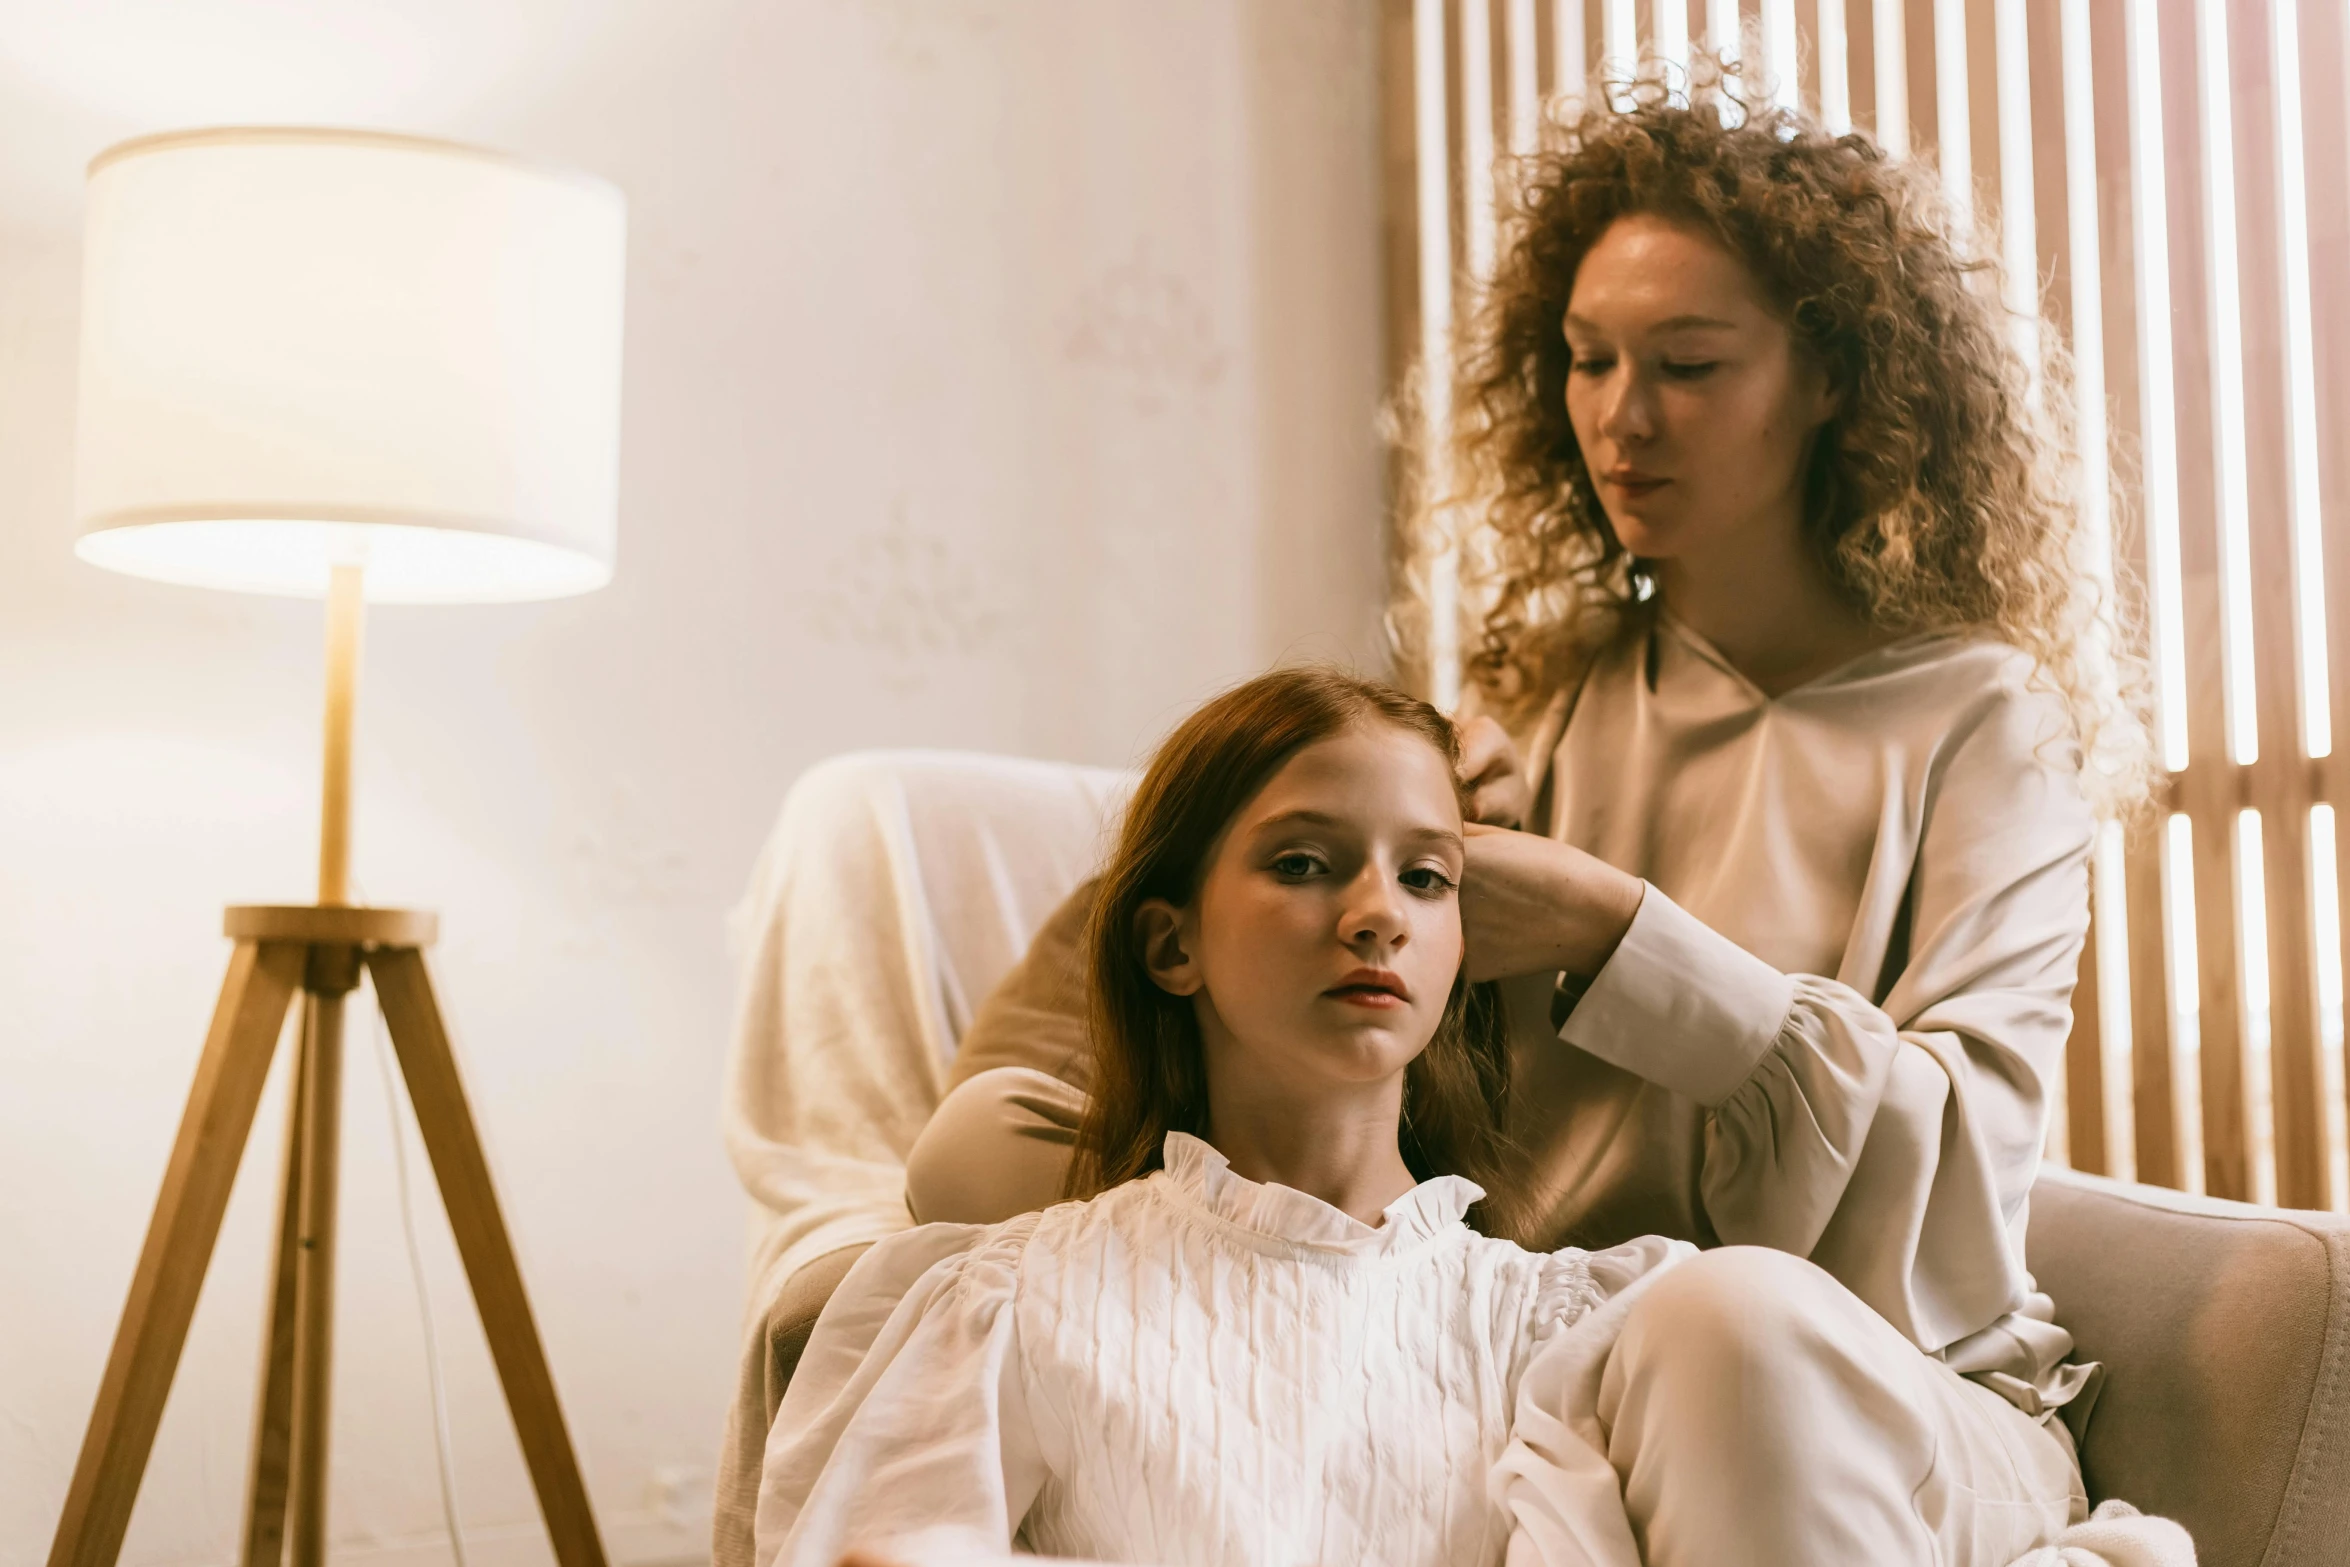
[(317, 950)]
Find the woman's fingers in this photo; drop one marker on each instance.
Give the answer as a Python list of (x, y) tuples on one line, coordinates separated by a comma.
[(1490, 768)]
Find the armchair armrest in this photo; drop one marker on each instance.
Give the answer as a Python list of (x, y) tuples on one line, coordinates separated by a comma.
[(2225, 1332)]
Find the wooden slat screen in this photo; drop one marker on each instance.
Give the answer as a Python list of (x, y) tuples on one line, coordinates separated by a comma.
[(2167, 186)]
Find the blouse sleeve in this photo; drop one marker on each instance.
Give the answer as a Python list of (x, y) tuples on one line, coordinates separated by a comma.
[(1553, 1482), (1892, 1142), (906, 1416)]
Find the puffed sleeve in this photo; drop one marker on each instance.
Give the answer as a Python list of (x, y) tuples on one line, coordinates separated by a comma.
[(906, 1418), (1892, 1142), (1553, 1481)]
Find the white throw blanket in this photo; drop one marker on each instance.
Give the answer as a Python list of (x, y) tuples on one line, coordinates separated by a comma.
[(895, 890)]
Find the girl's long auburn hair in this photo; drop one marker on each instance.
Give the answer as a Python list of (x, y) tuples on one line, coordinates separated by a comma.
[(1943, 494), (1149, 1077)]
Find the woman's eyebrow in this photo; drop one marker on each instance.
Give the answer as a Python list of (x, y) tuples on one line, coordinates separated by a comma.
[(1681, 323)]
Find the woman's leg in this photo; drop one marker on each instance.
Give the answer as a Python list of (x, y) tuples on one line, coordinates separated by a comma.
[(997, 1146), (1757, 1411)]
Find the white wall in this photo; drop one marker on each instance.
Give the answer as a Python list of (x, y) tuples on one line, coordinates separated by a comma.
[(1000, 374)]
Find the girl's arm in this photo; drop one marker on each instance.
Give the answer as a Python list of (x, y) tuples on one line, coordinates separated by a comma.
[(907, 1415)]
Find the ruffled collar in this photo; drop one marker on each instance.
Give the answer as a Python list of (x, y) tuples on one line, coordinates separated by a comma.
[(1201, 1177)]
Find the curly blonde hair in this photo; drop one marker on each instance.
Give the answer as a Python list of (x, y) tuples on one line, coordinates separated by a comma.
[(1941, 495)]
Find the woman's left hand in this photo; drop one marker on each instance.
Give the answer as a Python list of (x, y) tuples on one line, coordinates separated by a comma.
[(1532, 905)]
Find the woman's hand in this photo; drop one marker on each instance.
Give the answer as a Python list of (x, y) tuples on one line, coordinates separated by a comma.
[(1492, 774), (1533, 905)]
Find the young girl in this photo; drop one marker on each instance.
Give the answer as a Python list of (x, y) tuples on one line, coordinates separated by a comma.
[(1283, 1323)]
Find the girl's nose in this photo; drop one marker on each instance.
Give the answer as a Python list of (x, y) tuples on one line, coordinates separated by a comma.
[(1375, 915)]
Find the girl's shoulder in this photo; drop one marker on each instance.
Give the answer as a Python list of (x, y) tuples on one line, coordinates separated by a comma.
[(1538, 1284), (941, 1256)]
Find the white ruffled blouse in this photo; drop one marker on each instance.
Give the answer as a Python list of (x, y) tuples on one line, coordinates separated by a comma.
[(1195, 1368)]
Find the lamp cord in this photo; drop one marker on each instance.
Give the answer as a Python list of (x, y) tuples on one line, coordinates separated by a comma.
[(432, 1349)]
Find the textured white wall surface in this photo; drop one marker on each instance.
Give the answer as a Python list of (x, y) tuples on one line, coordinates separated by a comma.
[(1000, 374)]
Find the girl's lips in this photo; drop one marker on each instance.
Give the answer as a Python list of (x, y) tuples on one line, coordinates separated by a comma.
[(1636, 484), (1371, 996)]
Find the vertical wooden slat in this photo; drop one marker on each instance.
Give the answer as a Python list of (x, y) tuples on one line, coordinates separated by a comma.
[(2005, 128), (1474, 93), (1917, 77), (1438, 222), (2154, 1094), (2051, 176), (2325, 62), (1400, 231), (2279, 780), (2207, 789), (2137, 281), (2048, 130), (1860, 37), (2084, 1085), (1983, 108), (2153, 1087)]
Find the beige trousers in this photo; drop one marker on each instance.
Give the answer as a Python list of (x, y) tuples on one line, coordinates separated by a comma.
[(1751, 1407)]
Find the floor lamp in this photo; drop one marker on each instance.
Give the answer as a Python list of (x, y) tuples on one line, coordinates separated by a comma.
[(353, 366)]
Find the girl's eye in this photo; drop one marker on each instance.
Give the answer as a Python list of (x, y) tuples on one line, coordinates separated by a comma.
[(1427, 879), (1691, 370), (1296, 865), (1593, 364)]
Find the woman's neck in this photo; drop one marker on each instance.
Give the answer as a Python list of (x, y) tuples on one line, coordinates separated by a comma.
[(1339, 1147), (1767, 607)]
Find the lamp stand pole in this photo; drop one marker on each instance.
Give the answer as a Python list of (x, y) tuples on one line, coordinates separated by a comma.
[(346, 622), (316, 949)]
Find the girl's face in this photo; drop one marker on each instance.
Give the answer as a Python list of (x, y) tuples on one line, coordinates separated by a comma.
[(1691, 402), (1323, 943)]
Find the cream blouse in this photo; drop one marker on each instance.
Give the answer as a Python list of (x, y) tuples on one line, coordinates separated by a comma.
[(1197, 1368), (1833, 1025)]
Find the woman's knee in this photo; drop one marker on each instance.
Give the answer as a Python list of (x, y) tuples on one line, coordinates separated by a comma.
[(1732, 1310), (996, 1147)]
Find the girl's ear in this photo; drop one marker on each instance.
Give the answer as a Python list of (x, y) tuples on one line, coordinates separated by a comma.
[(1159, 930)]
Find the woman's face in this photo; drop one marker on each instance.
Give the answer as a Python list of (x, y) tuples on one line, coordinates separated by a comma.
[(1323, 943), (1693, 406)]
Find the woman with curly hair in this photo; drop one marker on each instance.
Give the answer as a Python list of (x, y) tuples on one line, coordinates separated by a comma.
[(1779, 552), (1796, 699)]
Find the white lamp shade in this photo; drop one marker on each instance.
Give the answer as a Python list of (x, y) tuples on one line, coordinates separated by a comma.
[(306, 347)]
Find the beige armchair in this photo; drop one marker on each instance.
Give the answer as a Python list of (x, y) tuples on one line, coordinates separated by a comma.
[(2225, 1332), (2225, 1329)]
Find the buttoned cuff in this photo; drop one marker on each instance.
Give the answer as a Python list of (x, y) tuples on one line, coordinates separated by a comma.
[(1681, 1005)]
